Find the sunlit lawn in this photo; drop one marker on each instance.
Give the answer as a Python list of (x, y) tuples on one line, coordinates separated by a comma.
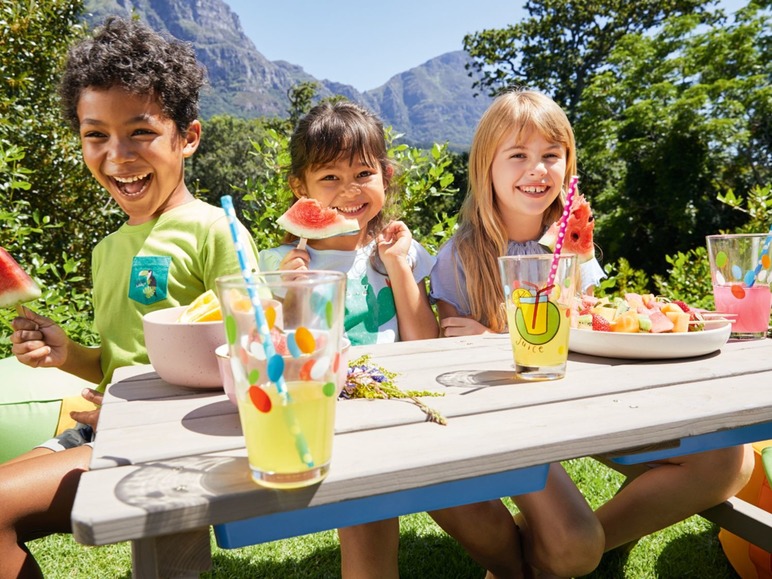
[(689, 549)]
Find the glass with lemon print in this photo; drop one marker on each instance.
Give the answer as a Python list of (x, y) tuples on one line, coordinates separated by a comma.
[(286, 390), (538, 312)]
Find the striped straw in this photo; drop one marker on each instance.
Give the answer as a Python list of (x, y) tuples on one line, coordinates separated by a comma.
[(562, 229), (262, 327), (762, 255)]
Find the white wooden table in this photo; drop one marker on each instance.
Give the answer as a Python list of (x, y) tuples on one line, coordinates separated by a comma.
[(170, 461)]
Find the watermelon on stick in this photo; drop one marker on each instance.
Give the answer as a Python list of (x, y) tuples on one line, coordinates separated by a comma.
[(307, 219), (578, 238), (16, 287)]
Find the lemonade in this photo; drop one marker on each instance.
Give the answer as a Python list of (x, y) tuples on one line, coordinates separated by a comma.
[(274, 457), (542, 343)]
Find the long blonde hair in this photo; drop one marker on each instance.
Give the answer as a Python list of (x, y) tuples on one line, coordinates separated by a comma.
[(482, 237)]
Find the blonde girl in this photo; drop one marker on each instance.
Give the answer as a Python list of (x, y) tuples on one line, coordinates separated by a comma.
[(520, 163)]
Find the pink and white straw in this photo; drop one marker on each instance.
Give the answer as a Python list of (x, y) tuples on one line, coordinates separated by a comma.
[(562, 229)]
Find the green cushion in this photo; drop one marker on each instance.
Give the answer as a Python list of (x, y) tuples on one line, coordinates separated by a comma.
[(30, 400)]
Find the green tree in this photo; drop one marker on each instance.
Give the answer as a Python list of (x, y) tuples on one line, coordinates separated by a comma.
[(224, 162), (562, 45), (34, 38), (679, 118)]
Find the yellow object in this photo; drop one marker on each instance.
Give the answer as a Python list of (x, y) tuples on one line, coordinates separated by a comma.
[(272, 445), (71, 404), (627, 322), (547, 348), (748, 560), (205, 308)]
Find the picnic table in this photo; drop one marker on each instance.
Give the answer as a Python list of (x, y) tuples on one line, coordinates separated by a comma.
[(169, 462)]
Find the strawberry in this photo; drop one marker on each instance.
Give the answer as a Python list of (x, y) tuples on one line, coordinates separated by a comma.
[(600, 324), (683, 306)]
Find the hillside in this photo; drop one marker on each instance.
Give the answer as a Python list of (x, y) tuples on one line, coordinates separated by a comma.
[(433, 102)]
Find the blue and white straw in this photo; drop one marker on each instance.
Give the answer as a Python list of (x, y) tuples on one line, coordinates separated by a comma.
[(274, 361)]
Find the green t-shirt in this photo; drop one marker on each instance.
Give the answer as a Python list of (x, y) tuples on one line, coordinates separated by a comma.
[(160, 264)]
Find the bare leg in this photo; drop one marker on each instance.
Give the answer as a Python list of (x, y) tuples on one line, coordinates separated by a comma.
[(37, 491), (673, 490), (561, 535), (488, 533), (370, 550)]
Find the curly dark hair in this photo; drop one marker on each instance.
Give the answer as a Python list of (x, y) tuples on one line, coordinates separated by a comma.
[(128, 54)]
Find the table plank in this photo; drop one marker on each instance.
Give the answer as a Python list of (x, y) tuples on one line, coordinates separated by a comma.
[(191, 422), (188, 492)]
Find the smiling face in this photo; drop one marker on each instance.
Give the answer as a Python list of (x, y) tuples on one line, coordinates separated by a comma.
[(527, 174), (353, 188), (135, 151)]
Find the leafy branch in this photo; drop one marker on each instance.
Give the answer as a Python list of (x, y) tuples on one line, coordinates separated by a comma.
[(370, 381)]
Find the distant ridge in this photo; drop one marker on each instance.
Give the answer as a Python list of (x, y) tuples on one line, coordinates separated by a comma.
[(430, 103)]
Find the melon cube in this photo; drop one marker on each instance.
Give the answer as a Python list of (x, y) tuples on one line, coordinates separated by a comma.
[(680, 320), (607, 312)]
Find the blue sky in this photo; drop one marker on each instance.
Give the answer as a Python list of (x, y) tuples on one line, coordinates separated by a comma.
[(364, 45)]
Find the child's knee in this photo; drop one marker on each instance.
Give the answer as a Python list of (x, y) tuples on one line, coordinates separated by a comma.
[(729, 469), (575, 548)]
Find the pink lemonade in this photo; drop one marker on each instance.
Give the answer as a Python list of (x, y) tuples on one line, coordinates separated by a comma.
[(751, 305)]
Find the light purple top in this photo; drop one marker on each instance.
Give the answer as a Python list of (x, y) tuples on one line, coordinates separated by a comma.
[(448, 279)]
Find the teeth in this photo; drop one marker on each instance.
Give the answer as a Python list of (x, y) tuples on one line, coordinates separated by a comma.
[(131, 179), (534, 189), (350, 209)]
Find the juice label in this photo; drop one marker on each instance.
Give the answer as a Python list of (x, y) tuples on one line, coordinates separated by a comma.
[(269, 426), (539, 335)]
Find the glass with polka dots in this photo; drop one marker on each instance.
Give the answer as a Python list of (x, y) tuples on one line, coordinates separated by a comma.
[(286, 374), (741, 273)]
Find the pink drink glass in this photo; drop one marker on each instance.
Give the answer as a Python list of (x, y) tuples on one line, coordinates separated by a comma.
[(737, 288)]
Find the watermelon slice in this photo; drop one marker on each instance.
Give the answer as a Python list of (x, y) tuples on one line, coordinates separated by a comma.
[(579, 229), (307, 219), (16, 287)]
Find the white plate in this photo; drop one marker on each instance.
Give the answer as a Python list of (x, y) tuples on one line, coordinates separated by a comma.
[(648, 346)]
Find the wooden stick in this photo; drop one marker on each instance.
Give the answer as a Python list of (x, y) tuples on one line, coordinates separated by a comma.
[(714, 314)]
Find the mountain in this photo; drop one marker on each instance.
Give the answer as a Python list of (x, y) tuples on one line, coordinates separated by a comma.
[(430, 103)]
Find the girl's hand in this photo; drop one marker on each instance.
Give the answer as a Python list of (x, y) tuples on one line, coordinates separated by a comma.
[(394, 242), (89, 417), (38, 341), (295, 260), (458, 326)]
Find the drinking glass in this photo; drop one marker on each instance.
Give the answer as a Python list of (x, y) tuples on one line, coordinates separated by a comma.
[(286, 390), (741, 272), (538, 313)]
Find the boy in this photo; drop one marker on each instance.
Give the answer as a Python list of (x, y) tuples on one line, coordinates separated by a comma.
[(132, 96)]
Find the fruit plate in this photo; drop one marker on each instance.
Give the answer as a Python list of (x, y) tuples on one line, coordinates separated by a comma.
[(648, 346)]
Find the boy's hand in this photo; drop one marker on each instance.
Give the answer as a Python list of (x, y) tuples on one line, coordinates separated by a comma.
[(38, 341), (394, 242), (89, 417), (295, 260)]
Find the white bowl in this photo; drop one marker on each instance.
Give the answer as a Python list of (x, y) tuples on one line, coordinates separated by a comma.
[(183, 353)]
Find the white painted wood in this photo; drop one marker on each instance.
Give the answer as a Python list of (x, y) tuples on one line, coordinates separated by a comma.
[(185, 466)]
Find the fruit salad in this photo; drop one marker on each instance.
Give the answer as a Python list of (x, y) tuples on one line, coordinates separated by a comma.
[(637, 313)]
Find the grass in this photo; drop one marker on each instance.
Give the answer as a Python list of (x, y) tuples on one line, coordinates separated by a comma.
[(688, 549)]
